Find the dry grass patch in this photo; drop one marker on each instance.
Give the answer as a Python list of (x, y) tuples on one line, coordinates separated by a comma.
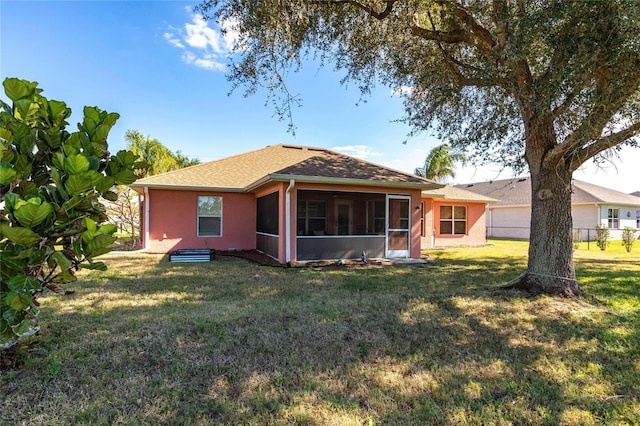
[(231, 342)]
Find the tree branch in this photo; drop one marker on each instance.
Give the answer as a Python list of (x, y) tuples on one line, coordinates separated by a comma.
[(481, 36), (369, 9), (454, 65), (612, 98), (563, 107), (475, 35), (603, 144)]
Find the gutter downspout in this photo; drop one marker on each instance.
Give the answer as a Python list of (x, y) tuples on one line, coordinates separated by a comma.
[(146, 218), (287, 226)]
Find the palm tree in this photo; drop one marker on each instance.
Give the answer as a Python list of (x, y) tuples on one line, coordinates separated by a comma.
[(439, 164), (159, 158)]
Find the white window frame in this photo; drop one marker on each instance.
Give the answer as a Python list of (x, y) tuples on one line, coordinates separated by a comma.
[(453, 220), (307, 218), (613, 218), (198, 215)]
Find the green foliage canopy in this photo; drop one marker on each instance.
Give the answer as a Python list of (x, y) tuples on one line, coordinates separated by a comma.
[(481, 73), (51, 220), (158, 158), (440, 163)]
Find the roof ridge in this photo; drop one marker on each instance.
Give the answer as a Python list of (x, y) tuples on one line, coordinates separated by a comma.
[(381, 165), (212, 161), (245, 170)]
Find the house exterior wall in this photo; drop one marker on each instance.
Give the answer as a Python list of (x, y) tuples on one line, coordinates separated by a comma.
[(585, 218), (628, 217), (514, 222), (173, 218), (427, 241), (476, 225), (414, 209), (509, 222)]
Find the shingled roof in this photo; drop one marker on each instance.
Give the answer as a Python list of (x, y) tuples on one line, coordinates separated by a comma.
[(451, 193), (248, 171), (517, 192)]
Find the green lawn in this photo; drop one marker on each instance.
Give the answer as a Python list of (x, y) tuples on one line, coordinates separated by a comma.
[(230, 342)]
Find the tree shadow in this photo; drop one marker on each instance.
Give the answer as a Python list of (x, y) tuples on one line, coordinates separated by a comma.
[(236, 343)]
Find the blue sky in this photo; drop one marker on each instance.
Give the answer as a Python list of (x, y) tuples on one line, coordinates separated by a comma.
[(161, 67)]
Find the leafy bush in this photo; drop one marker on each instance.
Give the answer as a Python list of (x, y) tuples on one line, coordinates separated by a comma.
[(602, 237), (628, 237), (51, 220)]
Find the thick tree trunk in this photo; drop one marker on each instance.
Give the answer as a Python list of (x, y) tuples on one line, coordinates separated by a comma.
[(550, 269)]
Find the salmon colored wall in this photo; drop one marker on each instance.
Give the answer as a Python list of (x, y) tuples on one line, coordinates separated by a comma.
[(174, 213), (476, 225), (416, 198), (429, 232)]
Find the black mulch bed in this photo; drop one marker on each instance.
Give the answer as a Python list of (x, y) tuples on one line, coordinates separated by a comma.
[(264, 260)]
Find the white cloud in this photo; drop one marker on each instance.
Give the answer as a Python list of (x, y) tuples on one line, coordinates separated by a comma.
[(230, 35), (172, 40), (207, 61), (204, 46), (359, 151), (200, 35)]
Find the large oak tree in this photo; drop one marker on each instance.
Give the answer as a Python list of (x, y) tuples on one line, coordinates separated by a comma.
[(549, 83)]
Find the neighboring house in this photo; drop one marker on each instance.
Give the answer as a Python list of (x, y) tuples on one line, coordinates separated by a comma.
[(292, 203), (636, 194), (454, 218), (591, 205)]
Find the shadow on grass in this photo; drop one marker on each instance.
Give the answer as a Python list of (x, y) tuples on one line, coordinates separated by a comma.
[(234, 343)]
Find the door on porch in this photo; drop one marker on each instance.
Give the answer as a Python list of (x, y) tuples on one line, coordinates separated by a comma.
[(398, 226), (344, 217)]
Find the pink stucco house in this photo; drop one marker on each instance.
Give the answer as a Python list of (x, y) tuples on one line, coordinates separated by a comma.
[(454, 217), (296, 203)]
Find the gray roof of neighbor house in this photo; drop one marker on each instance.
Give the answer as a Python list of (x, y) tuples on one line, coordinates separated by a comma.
[(451, 193), (635, 194), (517, 192), (278, 163)]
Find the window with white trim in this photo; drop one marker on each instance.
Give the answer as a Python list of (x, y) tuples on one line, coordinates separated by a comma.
[(312, 217), (453, 220), (638, 219), (209, 216), (613, 218)]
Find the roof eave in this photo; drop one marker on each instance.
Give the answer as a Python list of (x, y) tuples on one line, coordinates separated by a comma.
[(277, 177), (138, 187), (437, 196)]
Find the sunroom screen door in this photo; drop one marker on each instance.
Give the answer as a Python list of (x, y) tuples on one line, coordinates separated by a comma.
[(398, 226)]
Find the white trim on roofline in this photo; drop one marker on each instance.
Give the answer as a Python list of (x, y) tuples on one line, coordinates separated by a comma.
[(189, 188), (276, 177), (272, 178)]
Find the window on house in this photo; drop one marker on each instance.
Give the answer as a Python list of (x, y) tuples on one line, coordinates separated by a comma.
[(638, 219), (613, 218), (209, 216), (453, 220), (379, 217), (312, 217)]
